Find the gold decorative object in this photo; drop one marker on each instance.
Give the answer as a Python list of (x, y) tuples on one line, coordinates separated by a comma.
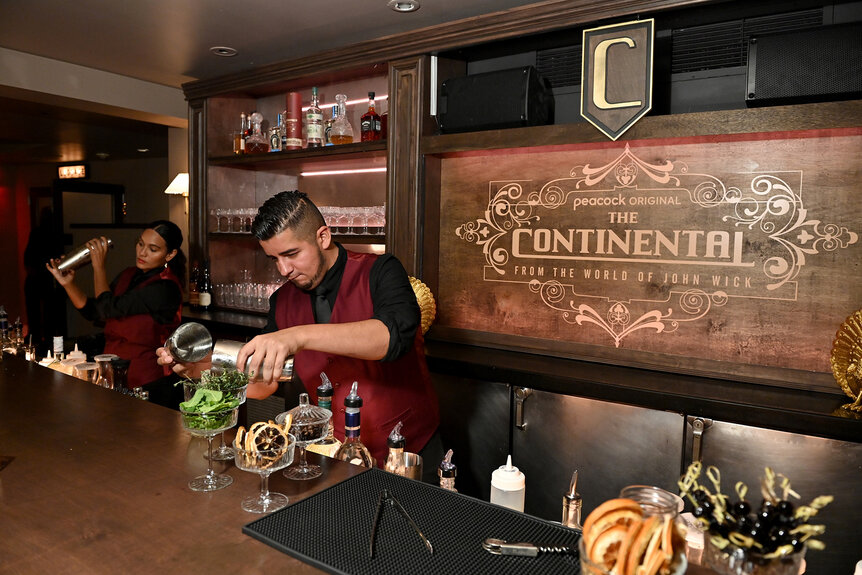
[(426, 303), (846, 359)]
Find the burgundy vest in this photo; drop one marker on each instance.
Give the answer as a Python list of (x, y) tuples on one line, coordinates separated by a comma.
[(391, 391), (136, 337)]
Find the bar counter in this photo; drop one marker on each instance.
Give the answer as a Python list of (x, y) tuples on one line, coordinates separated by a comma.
[(96, 482), (92, 481)]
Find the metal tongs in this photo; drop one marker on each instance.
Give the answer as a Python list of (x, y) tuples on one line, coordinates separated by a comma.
[(386, 497), (523, 549)]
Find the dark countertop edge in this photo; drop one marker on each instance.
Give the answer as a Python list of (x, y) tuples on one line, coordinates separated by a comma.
[(792, 410)]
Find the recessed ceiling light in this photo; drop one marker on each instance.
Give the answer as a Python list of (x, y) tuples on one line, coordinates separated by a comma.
[(404, 5), (103, 155), (143, 150), (224, 51)]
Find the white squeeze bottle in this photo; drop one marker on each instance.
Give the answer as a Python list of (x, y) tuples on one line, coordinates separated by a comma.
[(508, 486)]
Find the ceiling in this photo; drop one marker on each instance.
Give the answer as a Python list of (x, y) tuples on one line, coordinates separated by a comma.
[(168, 42)]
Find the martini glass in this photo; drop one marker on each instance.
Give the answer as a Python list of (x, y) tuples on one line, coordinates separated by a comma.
[(309, 424), (209, 425), (264, 463)]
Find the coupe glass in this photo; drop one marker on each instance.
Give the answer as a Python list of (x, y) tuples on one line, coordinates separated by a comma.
[(309, 424), (264, 463), (209, 425)]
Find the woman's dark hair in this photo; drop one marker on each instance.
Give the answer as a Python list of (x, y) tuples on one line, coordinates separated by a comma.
[(287, 210), (173, 237)]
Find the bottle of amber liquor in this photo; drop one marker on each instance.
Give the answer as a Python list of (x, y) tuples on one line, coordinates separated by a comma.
[(370, 122), (353, 450)]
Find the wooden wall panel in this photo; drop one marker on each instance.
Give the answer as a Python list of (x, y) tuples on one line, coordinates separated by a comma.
[(738, 250)]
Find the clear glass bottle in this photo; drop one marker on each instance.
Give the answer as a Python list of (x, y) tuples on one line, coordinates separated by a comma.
[(370, 123), (330, 444), (342, 131), (204, 287), (353, 450), (395, 457), (314, 122), (256, 143), (447, 472)]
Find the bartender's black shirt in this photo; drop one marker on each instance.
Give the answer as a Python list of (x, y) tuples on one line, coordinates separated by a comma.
[(391, 293), (160, 299)]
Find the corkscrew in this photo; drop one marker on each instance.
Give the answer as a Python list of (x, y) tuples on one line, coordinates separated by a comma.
[(523, 549)]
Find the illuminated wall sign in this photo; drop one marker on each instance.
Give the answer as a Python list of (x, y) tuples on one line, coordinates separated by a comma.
[(742, 249), (72, 172), (616, 75)]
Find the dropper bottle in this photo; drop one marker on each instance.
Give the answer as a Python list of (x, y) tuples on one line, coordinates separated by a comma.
[(508, 486), (447, 472)]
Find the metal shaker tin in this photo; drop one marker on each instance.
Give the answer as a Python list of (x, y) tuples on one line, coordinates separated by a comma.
[(79, 257), (226, 351)]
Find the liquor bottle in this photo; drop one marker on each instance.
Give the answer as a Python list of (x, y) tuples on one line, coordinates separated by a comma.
[(370, 123), (330, 444), (353, 450), (395, 457), (327, 127), (239, 137), (204, 287), (4, 329), (194, 296), (342, 131), (314, 122), (447, 472), (256, 143), (275, 135), (292, 122)]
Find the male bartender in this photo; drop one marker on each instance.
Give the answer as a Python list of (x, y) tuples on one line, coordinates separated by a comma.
[(351, 315)]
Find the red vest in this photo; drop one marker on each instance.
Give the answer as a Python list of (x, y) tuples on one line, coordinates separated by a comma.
[(136, 337), (391, 391)]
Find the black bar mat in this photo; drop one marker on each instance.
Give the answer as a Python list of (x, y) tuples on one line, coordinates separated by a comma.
[(331, 530)]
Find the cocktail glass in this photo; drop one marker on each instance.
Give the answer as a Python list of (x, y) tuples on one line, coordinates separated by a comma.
[(264, 463), (209, 425)]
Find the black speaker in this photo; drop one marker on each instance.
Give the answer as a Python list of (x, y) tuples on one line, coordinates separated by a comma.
[(813, 65), (494, 100)]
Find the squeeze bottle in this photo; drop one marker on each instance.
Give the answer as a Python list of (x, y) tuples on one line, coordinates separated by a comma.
[(508, 486)]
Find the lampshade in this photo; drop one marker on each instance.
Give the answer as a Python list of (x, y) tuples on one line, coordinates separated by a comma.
[(180, 185)]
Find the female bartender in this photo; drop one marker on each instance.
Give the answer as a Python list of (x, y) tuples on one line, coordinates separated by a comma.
[(142, 306)]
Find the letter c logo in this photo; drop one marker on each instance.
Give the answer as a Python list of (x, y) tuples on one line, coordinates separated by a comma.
[(600, 72)]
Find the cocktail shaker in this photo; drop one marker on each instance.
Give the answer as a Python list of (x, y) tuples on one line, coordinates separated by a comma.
[(77, 258), (226, 351)]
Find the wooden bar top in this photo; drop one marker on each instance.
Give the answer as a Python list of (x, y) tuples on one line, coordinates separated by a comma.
[(96, 482), (92, 481)]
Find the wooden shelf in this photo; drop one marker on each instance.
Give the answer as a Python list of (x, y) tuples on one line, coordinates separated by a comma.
[(273, 160)]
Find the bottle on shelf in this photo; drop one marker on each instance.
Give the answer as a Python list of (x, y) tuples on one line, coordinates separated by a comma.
[(246, 132), (239, 137), (342, 131), (292, 122), (395, 457), (353, 450), (275, 135), (4, 329), (314, 122), (327, 127), (256, 143), (330, 444), (194, 296), (204, 287), (370, 122), (447, 472)]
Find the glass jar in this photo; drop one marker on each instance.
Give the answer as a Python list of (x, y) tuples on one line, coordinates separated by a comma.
[(342, 131), (654, 500), (733, 560)]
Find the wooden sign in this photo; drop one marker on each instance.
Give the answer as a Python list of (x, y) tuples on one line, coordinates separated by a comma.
[(741, 249), (616, 75)]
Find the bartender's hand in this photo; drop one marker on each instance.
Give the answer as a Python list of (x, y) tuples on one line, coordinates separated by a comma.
[(98, 251), (268, 353), (192, 370), (63, 278)]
